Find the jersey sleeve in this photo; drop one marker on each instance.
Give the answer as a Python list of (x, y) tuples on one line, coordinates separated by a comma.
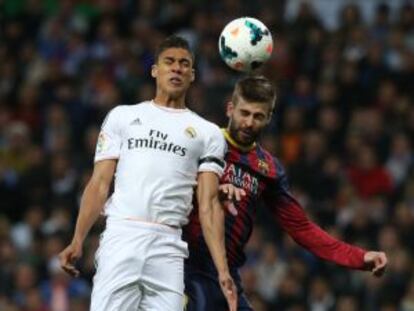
[(212, 158), (108, 145), (292, 218)]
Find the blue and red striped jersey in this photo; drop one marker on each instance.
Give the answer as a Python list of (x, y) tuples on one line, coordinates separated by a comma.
[(263, 178)]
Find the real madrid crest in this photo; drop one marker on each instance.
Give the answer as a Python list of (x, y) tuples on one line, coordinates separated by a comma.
[(190, 132), (101, 143)]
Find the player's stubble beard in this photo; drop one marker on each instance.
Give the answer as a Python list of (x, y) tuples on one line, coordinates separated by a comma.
[(235, 133)]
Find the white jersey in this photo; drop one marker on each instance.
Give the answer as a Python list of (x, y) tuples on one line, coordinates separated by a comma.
[(160, 150)]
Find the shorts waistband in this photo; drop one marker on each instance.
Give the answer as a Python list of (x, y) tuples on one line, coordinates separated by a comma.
[(133, 222)]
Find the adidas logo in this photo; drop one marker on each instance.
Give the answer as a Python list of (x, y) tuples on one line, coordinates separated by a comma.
[(137, 121)]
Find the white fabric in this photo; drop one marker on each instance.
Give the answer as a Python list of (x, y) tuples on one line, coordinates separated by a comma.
[(139, 267), (158, 151)]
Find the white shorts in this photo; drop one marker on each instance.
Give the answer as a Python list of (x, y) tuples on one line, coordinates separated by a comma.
[(140, 266)]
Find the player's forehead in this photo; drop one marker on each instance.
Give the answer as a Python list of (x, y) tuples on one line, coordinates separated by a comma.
[(176, 53), (253, 106)]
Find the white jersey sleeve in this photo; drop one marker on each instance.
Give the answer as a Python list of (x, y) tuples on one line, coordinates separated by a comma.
[(212, 159), (109, 141)]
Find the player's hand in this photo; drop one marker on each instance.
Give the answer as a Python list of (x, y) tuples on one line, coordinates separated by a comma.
[(68, 258), (229, 290), (230, 193), (376, 262)]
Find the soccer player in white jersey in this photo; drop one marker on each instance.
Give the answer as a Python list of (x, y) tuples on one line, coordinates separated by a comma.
[(158, 152)]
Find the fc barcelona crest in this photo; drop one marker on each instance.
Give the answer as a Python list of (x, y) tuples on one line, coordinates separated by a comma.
[(263, 166)]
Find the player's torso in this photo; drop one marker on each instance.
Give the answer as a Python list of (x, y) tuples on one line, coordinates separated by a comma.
[(252, 172), (241, 175), (154, 138), (158, 162)]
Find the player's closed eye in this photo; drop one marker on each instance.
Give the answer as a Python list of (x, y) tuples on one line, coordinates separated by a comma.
[(244, 113), (185, 63), (259, 117), (168, 61)]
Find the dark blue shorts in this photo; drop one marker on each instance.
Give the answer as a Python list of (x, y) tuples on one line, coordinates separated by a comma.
[(204, 293)]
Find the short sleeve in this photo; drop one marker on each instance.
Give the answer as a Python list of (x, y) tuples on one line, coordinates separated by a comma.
[(212, 159), (108, 145)]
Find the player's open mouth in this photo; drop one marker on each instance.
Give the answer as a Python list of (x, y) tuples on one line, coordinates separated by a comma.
[(176, 81)]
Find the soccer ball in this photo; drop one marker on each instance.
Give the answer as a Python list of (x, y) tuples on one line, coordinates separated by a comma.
[(245, 44)]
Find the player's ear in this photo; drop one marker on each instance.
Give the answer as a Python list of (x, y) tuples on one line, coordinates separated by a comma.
[(229, 109), (154, 71), (269, 118), (192, 75), (270, 115)]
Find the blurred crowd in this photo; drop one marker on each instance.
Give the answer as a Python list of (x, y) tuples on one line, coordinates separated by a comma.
[(343, 126)]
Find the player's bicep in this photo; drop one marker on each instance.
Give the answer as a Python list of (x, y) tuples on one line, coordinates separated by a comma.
[(212, 157), (207, 190), (103, 173)]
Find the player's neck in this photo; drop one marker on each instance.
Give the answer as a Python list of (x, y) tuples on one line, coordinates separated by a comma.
[(167, 101)]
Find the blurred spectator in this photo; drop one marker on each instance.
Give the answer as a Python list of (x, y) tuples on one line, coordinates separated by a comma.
[(61, 288), (320, 297), (367, 176), (23, 233), (407, 303), (14, 152), (346, 303), (401, 158), (290, 293), (381, 24), (302, 95), (291, 137), (343, 126), (24, 280), (270, 271)]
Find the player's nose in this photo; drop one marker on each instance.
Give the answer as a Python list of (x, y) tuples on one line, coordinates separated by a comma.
[(249, 121), (176, 67)]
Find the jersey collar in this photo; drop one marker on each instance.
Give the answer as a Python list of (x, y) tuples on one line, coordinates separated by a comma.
[(235, 143)]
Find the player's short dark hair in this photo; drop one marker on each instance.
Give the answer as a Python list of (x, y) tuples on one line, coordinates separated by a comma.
[(255, 88), (173, 42)]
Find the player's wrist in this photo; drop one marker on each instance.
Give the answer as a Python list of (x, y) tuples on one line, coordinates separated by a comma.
[(77, 242), (223, 272)]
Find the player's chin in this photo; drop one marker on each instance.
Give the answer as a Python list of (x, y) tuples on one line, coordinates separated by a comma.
[(245, 139), (178, 90)]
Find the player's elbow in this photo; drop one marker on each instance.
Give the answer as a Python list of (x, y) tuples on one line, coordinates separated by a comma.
[(204, 212)]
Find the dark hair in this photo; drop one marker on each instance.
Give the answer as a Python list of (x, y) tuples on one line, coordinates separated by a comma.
[(173, 42), (255, 89)]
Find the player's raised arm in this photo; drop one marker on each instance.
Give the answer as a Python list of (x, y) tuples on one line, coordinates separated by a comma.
[(93, 199), (211, 216)]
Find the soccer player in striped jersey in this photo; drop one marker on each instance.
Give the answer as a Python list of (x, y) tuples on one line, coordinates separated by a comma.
[(263, 178)]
